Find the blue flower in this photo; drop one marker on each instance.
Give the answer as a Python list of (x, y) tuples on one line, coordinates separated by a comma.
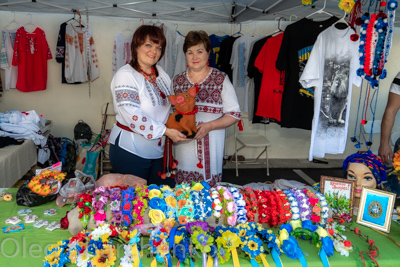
[(158, 203), (307, 224), (291, 248), (153, 186), (286, 226), (327, 245)]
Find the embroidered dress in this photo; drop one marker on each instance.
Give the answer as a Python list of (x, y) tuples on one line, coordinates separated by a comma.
[(121, 52), (202, 160), (31, 53), (144, 108), (78, 41), (7, 52)]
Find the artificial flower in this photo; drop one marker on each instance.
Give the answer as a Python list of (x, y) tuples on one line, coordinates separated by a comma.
[(154, 193), (171, 201), (307, 2), (321, 232), (83, 259), (346, 5), (105, 257), (156, 216), (291, 248)]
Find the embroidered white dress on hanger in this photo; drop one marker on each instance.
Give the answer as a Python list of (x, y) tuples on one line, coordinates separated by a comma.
[(7, 52), (121, 52), (78, 44)]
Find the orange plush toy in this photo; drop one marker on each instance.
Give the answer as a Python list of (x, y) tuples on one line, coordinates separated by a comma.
[(184, 118)]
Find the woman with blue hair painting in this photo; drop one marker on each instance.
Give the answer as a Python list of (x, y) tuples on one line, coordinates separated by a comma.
[(366, 170)]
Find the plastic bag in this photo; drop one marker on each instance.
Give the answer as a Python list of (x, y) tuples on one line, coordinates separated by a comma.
[(25, 197), (87, 161), (117, 179), (71, 191)]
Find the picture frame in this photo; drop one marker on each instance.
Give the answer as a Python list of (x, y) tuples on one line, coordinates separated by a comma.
[(339, 194), (376, 209)]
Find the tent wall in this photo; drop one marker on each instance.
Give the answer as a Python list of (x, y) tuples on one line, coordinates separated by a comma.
[(66, 104)]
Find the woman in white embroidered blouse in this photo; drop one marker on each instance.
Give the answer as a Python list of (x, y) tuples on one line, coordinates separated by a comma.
[(139, 90)]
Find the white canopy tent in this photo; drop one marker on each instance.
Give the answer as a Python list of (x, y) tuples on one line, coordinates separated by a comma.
[(205, 11)]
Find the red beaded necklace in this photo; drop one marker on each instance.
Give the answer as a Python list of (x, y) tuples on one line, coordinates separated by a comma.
[(152, 78)]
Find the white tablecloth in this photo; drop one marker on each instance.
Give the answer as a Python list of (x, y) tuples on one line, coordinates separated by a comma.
[(16, 161)]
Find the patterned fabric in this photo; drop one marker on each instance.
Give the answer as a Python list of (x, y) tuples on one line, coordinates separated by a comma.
[(241, 76), (79, 45), (374, 163), (139, 106), (121, 51), (7, 52), (202, 160)]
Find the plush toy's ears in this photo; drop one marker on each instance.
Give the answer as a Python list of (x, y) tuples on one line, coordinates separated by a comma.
[(172, 99), (192, 91)]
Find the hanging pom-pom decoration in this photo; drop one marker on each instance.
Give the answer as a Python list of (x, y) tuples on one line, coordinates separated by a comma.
[(200, 165), (354, 37), (353, 139), (363, 122), (358, 145), (392, 5), (240, 125)]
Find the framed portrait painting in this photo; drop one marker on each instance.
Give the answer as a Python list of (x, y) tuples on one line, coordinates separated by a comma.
[(339, 194), (376, 208)]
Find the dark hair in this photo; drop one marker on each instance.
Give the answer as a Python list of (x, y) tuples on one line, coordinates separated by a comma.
[(155, 35), (197, 37)]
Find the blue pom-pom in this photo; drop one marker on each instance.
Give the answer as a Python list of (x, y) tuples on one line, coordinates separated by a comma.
[(383, 75), (392, 5)]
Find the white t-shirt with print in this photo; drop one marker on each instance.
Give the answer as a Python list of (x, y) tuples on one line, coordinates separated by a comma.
[(331, 68)]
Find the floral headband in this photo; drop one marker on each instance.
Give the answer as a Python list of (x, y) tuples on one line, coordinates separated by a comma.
[(374, 163)]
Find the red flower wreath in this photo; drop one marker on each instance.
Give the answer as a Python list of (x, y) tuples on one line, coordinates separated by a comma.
[(251, 203), (262, 206)]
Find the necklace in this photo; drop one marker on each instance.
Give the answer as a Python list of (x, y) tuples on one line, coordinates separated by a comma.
[(152, 78)]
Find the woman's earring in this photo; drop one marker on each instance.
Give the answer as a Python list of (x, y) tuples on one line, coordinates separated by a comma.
[(208, 63), (187, 66)]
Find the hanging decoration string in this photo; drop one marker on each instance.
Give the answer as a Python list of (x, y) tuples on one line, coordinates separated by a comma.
[(88, 51), (354, 138), (373, 111)]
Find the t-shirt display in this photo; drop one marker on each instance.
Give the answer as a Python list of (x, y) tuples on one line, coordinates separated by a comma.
[(298, 40), (31, 53), (269, 100), (239, 60), (215, 48), (332, 70), (225, 55), (256, 75)]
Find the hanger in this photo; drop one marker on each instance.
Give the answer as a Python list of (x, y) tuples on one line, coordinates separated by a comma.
[(128, 30), (240, 29), (74, 19), (219, 32), (321, 11), (341, 23), (11, 22), (142, 20), (279, 30), (30, 23), (290, 18)]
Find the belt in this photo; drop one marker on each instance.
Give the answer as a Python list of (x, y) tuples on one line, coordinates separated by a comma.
[(126, 128)]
